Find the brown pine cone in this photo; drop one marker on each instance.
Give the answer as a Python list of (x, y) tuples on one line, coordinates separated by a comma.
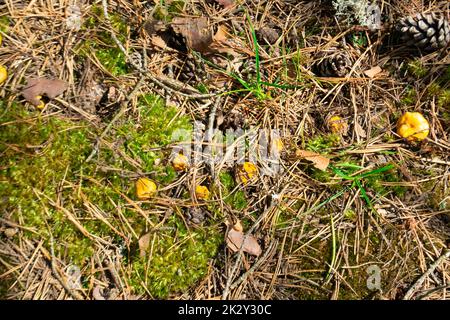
[(337, 65), (426, 31), (193, 70)]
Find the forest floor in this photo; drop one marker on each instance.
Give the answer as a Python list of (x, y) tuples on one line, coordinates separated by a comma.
[(331, 202)]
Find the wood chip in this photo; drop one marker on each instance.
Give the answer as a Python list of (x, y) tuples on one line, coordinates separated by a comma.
[(144, 243)]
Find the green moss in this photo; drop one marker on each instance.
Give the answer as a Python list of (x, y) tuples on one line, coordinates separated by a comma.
[(409, 97), (176, 7), (4, 23), (227, 180), (349, 214), (159, 125), (179, 259), (376, 183), (44, 176), (101, 44), (237, 199), (323, 144), (444, 99), (417, 69)]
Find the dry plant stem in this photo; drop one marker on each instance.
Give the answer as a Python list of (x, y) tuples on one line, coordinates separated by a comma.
[(430, 270), (210, 133), (431, 291), (144, 72), (254, 266), (116, 117), (58, 277), (241, 251)]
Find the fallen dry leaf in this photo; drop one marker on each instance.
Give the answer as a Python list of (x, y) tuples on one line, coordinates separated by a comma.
[(221, 42), (221, 34), (224, 43), (373, 71), (235, 239), (38, 87), (225, 3), (157, 41), (144, 243), (196, 31), (320, 162), (360, 130)]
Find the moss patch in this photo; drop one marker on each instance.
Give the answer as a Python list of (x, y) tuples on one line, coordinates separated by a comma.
[(44, 178), (101, 44)]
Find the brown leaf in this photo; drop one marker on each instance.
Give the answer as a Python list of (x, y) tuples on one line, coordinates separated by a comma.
[(225, 3), (157, 41), (42, 86), (235, 239), (196, 31), (320, 162), (360, 130), (221, 34), (223, 44), (144, 243), (373, 71)]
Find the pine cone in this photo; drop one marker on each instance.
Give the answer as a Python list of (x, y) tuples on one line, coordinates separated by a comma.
[(337, 65), (426, 31), (268, 35), (195, 215), (234, 119), (192, 71), (249, 74)]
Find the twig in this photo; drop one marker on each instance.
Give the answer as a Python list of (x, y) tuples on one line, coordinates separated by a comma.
[(119, 114), (58, 277), (144, 72), (431, 291), (430, 270), (254, 266), (210, 134), (241, 250)]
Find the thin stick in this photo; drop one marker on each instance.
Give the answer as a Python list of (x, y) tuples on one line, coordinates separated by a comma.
[(210, 134), (241, 251), (58, 277), (144, 72), (430, 270), (254, 266)]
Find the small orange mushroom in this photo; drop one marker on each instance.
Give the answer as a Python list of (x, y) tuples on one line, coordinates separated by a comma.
[(180, 162), (145, 188), (413, 126), (201, 192), (246, 172), (337, 125), (3, 74)]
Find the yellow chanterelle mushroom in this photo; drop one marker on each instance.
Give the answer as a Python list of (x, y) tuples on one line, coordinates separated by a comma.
[(246, 172), (201, 192), (145, 188), (413, 126)]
